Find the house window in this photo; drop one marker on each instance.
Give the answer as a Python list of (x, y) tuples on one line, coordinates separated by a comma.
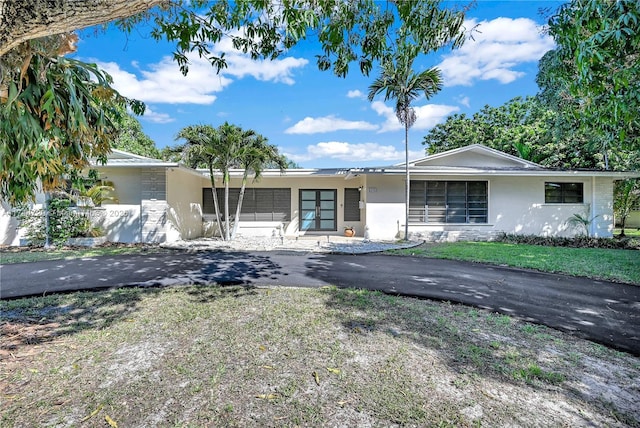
[(257, 205), (563, 193), (448, 202), (351, 204)]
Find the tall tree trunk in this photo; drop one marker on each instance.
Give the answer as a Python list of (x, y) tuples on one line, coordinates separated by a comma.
[(407, 188), (239, 207), (226, 206), (214, 194), (22, 20)]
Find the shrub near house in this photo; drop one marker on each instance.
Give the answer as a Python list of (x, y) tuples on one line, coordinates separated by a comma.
[(58, 221)]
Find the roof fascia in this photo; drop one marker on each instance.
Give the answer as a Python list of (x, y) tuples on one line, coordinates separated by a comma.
[(471, 147), (522, 173)]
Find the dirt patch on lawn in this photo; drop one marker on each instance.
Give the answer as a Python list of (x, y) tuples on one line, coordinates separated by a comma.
[(234, 356)]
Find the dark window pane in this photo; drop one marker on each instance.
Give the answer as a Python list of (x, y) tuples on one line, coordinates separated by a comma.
[(563, 193), (257, 205), (552, 193), (449, 201), (351, 204)]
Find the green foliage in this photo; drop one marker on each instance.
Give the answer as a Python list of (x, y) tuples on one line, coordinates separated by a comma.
[(173, 153), (400, 83), (622, 265), (52, 117), (597, 68), (360, 31), (33, 222), (581, 222), (522, 127), (57, 221), (534, 372), (587, 113), (131, 138), (57, 112), (626, 198), (577, 242), (221, 149), (89, 191)]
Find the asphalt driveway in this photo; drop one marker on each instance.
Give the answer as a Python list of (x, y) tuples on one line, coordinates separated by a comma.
[(605, 312)]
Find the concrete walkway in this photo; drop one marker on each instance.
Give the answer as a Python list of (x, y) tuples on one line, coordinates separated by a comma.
[(307, 243), (605, 312)]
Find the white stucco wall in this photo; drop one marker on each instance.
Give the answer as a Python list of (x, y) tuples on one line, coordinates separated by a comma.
[(126, 183), (385, 212), (602, 207), (184, 194), (295, 184), (470, 159), (140, 214), (10, 232), (8, 226), (121, 222), (516, 205)]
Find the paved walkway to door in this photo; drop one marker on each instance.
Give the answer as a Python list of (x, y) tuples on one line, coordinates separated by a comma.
[(308, 243)]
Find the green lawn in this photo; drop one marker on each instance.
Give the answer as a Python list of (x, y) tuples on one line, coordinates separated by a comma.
[(633, 232), (10, 256), (615, 265)]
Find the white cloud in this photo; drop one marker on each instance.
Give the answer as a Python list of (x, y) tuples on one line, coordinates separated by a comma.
[(311, 125), (353, 153), (498, 47), (163, 82), (355, 94), (462, 100), (155, 117), (427, 116), (267, 71)]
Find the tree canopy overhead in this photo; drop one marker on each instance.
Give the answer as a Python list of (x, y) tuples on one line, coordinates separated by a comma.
[(594, 73), (522, 127), (587, 111), (360, 32), (54, 115), (131, 138)]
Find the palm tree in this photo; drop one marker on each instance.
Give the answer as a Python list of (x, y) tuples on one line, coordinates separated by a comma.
[(255, 156), (202, 148), (399, 82), (223, 149), (233, 141)]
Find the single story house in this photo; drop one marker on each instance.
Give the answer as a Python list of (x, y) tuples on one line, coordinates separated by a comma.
[(474, 192)]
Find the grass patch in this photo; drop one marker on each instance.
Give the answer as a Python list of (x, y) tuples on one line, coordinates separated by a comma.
[(598, 263), (533, 372), (26, 255), (632, 233), (235, 356)]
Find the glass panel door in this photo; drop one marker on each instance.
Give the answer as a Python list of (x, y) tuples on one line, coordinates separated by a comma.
[(318, 210), (308, 210)]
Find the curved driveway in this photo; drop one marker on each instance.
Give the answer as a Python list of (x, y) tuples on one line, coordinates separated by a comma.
[(605, 312)]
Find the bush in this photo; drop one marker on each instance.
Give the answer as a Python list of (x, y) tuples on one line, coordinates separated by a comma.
[(577, 242), (63, 223)]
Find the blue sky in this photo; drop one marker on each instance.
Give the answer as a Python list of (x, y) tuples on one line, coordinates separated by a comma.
[(315, 118)]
